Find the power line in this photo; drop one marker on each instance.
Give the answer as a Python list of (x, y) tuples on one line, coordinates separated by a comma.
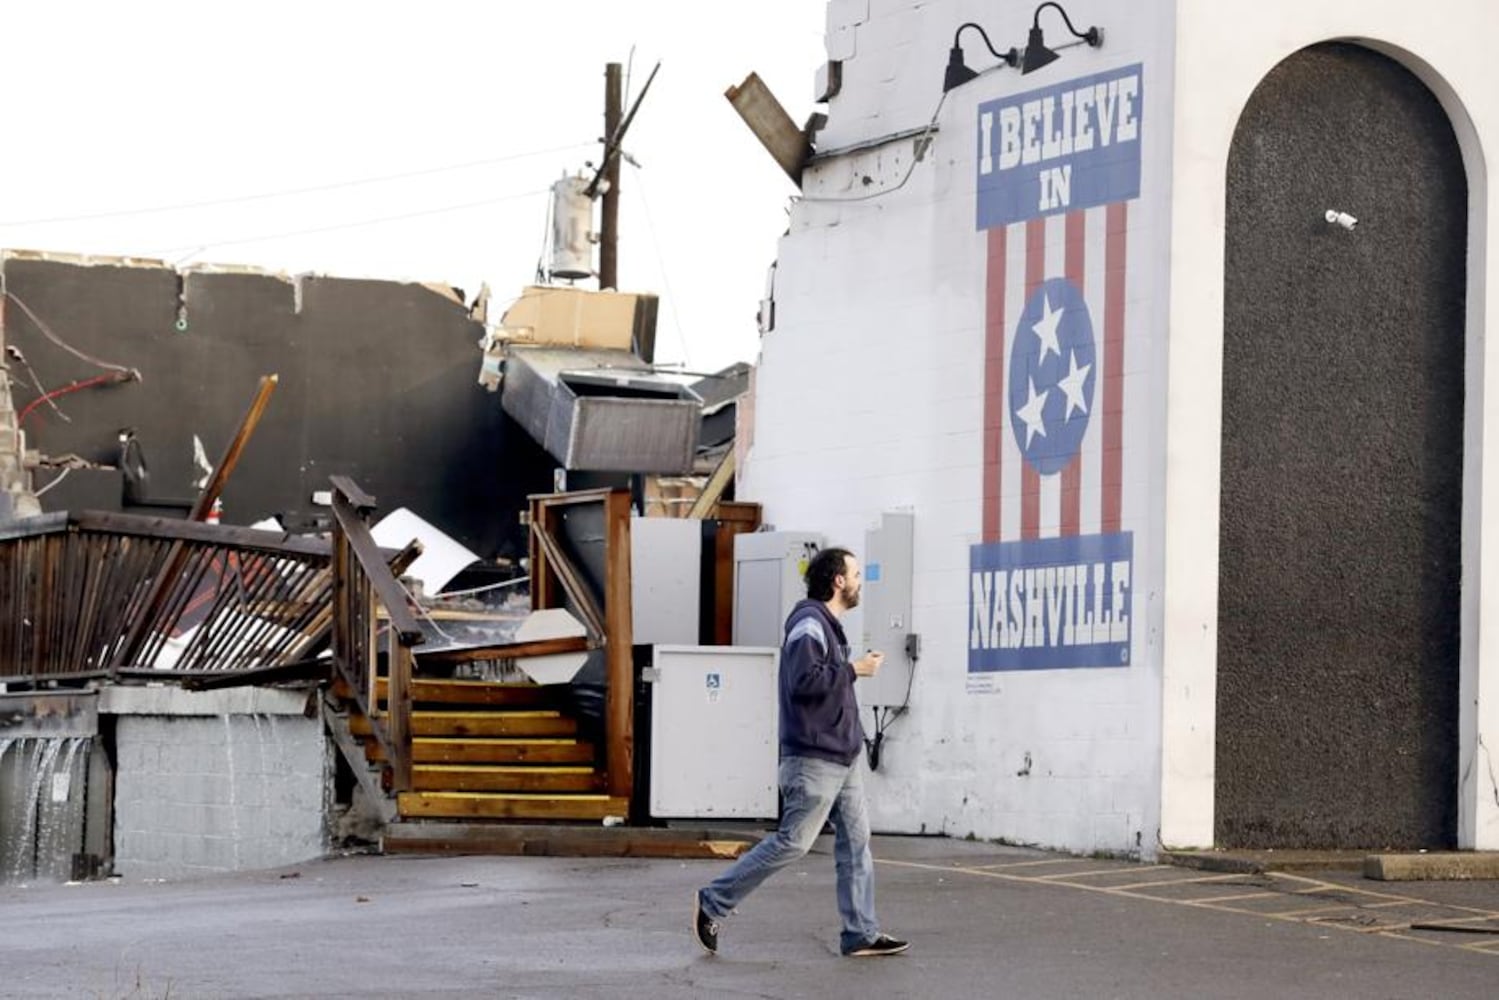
[(266, 195), (650, 226), (80, 355), (196, 248)]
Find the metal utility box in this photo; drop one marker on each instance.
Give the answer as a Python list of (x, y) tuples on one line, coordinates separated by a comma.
[(887, 608), (666, 566), (714, 733), (769, 578)]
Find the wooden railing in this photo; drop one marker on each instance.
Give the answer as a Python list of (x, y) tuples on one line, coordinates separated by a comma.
[(101, 595), (363, 585), (600, 598), (86, 594)]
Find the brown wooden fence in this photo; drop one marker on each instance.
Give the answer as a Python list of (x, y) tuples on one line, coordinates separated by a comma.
[(85, 594), (99, 595)]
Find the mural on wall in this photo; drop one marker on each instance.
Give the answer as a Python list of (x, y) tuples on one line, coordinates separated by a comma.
[(1051, 579)]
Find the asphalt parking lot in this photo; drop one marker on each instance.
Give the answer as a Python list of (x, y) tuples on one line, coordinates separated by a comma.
[(984, 921)]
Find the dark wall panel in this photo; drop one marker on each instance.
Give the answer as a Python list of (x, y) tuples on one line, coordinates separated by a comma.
[(1342, 459), (378, 381)]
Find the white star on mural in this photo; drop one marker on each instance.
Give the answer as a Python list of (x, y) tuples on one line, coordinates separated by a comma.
[(1072, 385), (1030, 413), (1046, 329)]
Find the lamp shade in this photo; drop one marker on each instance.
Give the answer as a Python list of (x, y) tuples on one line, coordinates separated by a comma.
[(1036, 53), (958, 72)]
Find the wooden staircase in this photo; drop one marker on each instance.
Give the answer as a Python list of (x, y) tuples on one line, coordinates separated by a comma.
[(492, 751), (482, 753)]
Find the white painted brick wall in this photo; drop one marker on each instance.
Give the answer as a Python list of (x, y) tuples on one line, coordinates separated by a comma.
[(870, 397), (880, 309), (846, 14), (198, 794)]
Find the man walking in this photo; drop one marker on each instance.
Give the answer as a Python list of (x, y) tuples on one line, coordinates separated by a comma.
[(820, 774)]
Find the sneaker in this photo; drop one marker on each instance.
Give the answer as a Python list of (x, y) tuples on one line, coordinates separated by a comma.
[(882, 944), (704, 927)]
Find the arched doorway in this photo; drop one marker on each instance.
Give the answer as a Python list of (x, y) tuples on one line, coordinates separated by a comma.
[(1341, 509)]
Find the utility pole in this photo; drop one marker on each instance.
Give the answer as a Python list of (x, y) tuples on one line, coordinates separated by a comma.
[(609, 212)]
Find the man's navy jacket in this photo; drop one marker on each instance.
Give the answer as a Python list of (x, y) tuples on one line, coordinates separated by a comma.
[(819, 714)]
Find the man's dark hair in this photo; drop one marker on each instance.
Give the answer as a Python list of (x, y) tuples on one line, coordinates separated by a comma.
[(826, 566)]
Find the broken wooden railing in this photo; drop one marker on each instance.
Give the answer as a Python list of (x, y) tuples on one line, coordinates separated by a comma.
[(580, 560), (363, 585), (88, 595)]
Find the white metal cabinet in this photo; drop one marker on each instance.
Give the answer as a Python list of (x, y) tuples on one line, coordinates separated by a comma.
[(714, 732)]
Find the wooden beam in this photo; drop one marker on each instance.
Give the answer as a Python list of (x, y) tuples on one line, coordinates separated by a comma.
[(500, 750), (535, 840), (619, 698), (786, 143), (362, 546), (713, 490), (515, 806), (477, 725), (398, 716), (563, 569), (543, 580), (512, 650), (553, 778), (230, 458), (446, 691), (572, 498), (317, 669), (166, 580), (739, 512), (174, 529), (353, 492), (339, 627), (732, 519)]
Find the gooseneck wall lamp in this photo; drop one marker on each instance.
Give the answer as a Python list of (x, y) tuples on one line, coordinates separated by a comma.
[(958, 72), (1036, 53)]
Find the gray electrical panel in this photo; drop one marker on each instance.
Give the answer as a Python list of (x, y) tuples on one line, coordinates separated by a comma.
[(769, 571), (887, 608)]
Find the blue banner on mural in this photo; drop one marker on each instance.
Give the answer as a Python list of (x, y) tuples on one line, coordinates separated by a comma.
[(1050, 603), (1071, 146)]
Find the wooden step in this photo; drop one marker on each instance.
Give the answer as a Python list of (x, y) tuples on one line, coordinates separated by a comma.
[(482, 805), (430, 836), (435, 691), (449, 750), (525, 723), (502, 778)]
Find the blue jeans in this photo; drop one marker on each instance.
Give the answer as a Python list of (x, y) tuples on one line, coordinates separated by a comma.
[(812, 791)]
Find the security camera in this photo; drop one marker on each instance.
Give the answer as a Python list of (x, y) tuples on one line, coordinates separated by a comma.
[(1343, 219)]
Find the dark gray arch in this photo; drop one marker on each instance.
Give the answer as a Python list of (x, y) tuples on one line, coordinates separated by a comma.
[(1341, 508)]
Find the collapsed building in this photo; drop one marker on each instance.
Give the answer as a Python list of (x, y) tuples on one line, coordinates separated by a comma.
[(376, 429)]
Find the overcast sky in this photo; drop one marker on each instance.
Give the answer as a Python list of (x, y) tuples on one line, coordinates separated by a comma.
[(218, 118)]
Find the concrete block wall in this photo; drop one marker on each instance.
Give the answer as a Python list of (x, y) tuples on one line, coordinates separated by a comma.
[(16, 498), (216, 781)]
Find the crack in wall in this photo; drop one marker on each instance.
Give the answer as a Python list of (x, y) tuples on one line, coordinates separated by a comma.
[(1489, 760)]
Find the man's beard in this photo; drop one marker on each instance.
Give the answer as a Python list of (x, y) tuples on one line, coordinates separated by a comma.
[(850, 596)]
